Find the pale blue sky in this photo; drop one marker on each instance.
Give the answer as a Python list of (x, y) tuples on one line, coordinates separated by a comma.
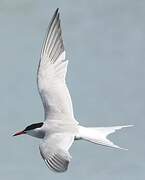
[(105, 43)]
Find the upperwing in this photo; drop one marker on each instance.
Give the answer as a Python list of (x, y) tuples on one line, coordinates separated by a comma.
[(51, 74)]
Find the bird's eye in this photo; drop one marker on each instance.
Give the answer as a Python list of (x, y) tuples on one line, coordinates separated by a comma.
[(33, 126)]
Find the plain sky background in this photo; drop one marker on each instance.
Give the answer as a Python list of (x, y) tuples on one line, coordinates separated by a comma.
[(105, 43)]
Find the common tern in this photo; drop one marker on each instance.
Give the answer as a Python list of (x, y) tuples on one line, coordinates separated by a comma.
[(60, 128)]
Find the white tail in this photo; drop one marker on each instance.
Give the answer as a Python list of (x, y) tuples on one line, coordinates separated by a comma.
[(99, 135)]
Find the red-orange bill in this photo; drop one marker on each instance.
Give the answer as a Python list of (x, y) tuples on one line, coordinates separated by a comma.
[(19, 133)]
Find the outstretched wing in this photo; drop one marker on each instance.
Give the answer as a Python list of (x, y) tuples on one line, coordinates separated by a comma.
[(54, 151), (51, 74)]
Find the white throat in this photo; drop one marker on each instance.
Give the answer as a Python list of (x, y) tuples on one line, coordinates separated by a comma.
[(38, 133)]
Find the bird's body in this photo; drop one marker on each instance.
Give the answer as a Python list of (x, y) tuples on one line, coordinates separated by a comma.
[(60, 128)]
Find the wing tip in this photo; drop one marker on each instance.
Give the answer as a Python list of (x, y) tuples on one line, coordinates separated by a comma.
[(56, 12)]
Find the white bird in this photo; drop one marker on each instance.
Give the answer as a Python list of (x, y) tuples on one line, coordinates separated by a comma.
[(60, 129)]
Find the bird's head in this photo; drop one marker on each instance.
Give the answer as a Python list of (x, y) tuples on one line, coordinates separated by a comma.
[(32, 130)]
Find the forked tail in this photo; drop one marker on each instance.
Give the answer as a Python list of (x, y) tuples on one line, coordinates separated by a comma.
[(99, 135)]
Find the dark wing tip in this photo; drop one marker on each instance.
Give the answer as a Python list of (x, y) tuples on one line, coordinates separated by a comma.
[(56, 12)]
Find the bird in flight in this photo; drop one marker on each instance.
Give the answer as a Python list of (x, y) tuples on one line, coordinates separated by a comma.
[(59, 129)]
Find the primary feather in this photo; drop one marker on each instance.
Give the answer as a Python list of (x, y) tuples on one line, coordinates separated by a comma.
[(54, 151), (51, 74)]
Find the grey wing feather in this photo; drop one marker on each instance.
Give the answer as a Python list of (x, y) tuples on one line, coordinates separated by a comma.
[(56, 161), (51, 74), (54, 151), (53, 44)]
